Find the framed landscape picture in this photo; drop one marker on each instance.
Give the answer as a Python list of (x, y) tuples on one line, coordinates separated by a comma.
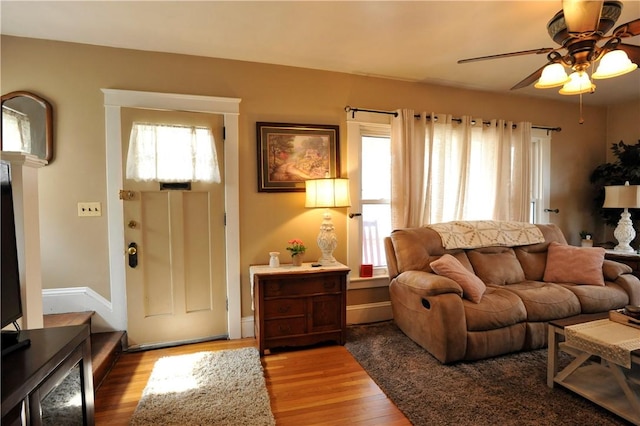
[(289, 154)]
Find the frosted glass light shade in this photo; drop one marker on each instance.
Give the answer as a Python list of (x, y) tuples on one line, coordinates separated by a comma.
[(613, 64), (579, 83), (553, 75), (329, 192)]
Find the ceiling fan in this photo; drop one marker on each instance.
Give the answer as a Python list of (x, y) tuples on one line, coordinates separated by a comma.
[(580, 29)]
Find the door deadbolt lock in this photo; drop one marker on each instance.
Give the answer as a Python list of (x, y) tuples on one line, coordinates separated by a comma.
[(132, 251)]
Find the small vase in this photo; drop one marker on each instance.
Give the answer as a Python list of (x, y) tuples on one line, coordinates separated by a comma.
[(296, 259), (274, 261)]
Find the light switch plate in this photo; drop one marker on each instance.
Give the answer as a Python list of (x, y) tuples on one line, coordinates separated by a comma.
[(89, 209)]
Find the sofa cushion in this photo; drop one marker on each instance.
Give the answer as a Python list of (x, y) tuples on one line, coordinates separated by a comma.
[(498, 308), (496, 265), (545, 301), (595, 298), (576, 265), (448, 266)]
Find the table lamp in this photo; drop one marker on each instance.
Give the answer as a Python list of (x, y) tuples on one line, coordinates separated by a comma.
[(626, 197), (327, 193)]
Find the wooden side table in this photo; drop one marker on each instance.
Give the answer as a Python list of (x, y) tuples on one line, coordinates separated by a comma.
[(299, 305), (631, 259)]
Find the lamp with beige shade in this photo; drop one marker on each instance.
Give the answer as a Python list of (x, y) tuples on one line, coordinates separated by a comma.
[(327, 193), (626, 197)]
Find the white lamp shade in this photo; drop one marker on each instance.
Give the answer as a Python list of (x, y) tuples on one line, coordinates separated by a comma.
[(579, 83), (613, 64), (553, 75), (622, 196), (329, 192)]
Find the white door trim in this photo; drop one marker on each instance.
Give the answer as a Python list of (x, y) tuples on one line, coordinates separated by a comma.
[(114, 100)]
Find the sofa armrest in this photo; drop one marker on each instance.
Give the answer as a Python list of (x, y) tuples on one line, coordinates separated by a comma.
[(612, 269), (427, 284), (631, 284)]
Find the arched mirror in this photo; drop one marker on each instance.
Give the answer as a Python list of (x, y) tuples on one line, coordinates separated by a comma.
[(27, 125)]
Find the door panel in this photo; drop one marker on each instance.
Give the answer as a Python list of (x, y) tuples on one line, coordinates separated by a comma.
[(177, 293)]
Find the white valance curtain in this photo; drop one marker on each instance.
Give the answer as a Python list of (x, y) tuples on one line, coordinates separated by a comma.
[(172, 153), (444, 169), (16, 131)]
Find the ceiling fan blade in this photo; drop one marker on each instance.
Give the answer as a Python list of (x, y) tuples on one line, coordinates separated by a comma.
[(629, 29), (540, 51), (632, 51), (582, 16)]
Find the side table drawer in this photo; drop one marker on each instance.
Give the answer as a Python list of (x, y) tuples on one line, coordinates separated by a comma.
[(284, 327), (283, 307), (312, 285)]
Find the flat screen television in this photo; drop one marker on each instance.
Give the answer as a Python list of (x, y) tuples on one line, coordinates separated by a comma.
[(9, 273)]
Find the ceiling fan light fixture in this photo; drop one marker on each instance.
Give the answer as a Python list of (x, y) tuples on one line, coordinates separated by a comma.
[(613, 64), (553, 75), (579, 83)]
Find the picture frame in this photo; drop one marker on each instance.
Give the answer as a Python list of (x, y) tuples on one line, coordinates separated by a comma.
[(289, 154)]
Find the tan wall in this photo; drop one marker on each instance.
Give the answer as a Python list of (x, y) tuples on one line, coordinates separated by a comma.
[(71, 75)]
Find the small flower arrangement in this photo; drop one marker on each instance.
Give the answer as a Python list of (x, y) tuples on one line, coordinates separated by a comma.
[(296, 247)]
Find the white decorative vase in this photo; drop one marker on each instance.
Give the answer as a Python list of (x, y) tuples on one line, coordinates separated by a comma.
[(274, 261)]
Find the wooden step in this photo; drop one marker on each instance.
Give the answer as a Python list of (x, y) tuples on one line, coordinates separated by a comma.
[(106, 347), (71, 318), (105, 350)]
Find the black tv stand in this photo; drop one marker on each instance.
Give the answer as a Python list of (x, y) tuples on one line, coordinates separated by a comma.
[(11, 342), (30, 374)]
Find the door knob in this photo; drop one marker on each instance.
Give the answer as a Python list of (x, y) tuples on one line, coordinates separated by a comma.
[(132, 251)]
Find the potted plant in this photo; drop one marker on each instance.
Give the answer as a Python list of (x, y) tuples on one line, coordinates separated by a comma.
[(297, 249), (586, 238)]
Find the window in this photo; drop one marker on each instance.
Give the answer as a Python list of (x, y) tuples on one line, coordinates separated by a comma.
[(172, 153), (370, 177), (369, 162), (540, 175), (375, 197)]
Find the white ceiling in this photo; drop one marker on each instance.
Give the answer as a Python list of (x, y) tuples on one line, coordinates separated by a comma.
[(415, 40)]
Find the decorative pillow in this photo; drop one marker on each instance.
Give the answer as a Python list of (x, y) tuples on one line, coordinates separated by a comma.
[(578, 265), (448, 266), (496, 265)]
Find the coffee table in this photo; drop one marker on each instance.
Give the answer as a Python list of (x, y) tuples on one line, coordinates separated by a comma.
[(605, 383)]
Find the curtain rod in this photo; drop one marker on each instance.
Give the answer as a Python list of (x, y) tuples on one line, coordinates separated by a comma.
[(395, 114)]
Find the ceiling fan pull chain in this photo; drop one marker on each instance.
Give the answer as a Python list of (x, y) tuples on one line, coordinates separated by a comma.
[(581, 121)]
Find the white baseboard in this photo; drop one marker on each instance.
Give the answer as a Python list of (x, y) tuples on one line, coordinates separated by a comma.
[(369, 312), (80, 299), (356, 314), (247, 327)]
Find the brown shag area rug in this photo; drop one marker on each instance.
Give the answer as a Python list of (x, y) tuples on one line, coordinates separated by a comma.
[(506, 390), (206, 388)]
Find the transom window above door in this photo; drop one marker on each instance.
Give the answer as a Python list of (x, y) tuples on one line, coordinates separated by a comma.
[(172, 153)]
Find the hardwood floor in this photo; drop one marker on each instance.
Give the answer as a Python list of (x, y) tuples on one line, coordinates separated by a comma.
[(317, 386)]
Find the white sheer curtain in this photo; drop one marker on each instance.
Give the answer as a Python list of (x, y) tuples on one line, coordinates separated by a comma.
[(16, 131), (172, 153), (444, 169)]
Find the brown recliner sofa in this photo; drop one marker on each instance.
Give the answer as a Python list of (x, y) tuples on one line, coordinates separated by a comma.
[(513, 312)]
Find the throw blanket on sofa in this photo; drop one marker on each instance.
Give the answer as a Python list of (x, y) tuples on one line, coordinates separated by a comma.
[(486, 233)]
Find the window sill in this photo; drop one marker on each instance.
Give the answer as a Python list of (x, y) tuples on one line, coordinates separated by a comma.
[(357, 283)]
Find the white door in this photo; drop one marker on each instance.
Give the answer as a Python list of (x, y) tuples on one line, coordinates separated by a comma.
[(176, 290)]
